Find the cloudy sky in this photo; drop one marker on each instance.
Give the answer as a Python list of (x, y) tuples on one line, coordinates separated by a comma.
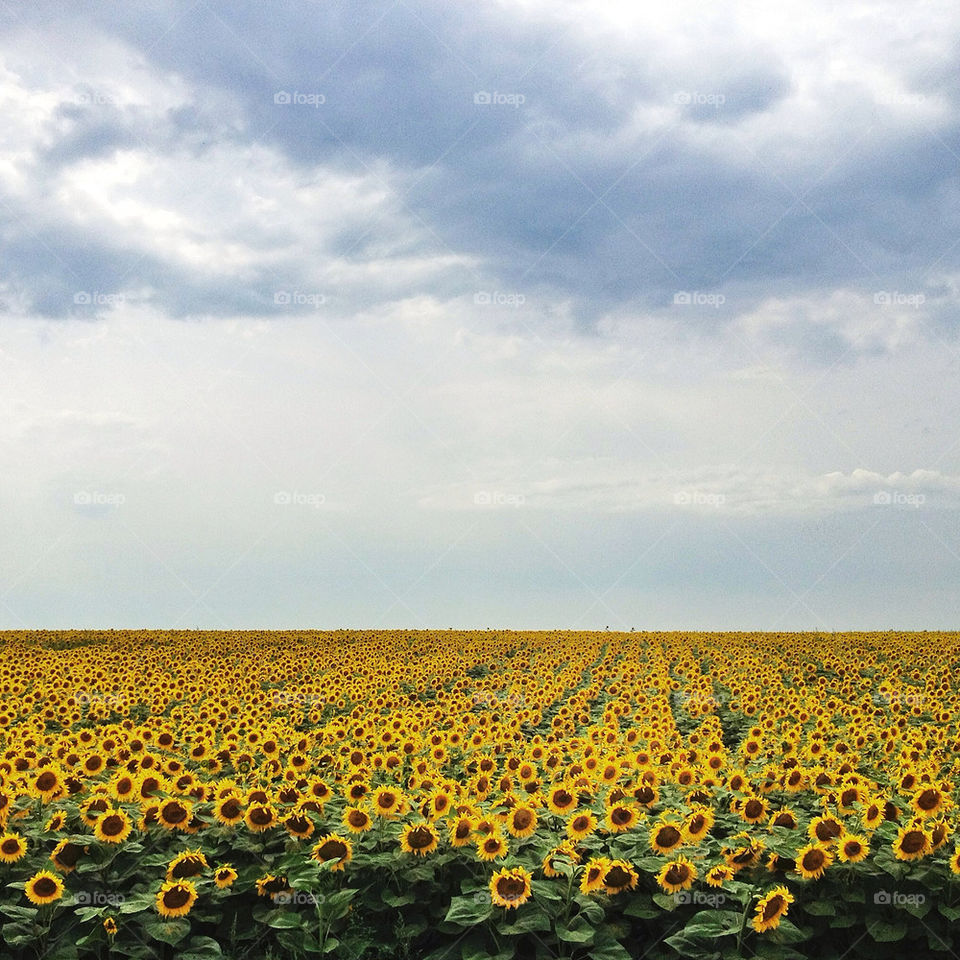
[(530, 314)]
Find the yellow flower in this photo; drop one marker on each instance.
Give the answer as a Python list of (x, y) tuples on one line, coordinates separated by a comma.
[(357, 820), (912, 843), (771, 909), (113, 826), (852, 848), (593, 872), (677, 875), (666, 837), (12, 847), (619, 876), (510, 887), (492, 847), (43, 887), (333, 849), (521, 821), (419, 839), (190, 863), (175, 898), (812, 861), (224, 876)]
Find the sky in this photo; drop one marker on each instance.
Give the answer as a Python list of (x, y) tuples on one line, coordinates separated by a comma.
[(529, 315)]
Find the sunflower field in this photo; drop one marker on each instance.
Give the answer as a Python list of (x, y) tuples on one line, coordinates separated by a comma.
[(473, 795)]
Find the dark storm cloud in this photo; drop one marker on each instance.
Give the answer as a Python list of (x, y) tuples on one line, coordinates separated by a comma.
[(558, 188)]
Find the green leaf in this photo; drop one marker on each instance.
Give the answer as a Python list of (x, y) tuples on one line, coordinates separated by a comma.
[(283, 920), (575, 934), (469, 911), (529, 921), (820, 908), (167, 931), (884, 931)]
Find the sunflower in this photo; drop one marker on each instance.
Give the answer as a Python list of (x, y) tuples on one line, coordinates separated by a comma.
[(666, 837), (928, 802), (753, 809), (567, 850), (12, 847), (619, 876), (461, 830), (955, 861), (273, 887), (190, 863), (697, 824), (521, 821), (771, 908), (438, 805), (492, 847), (110, 926), (65, 856), (581, 825), (677, 875), (562, 800), (784, 817), (939, 831), (812, 861), (386, 801), (872, 815), (299, 827), (224, 876), (825, 829), (260, 817), (46, 784), (333, 849), (57, 821), (43, 887), (852, 848), (113, 826), (174, 814), (593, 873), (510, 888), (228, 810), (621, 818), (418, 838), (912, 843), (718, 875)]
